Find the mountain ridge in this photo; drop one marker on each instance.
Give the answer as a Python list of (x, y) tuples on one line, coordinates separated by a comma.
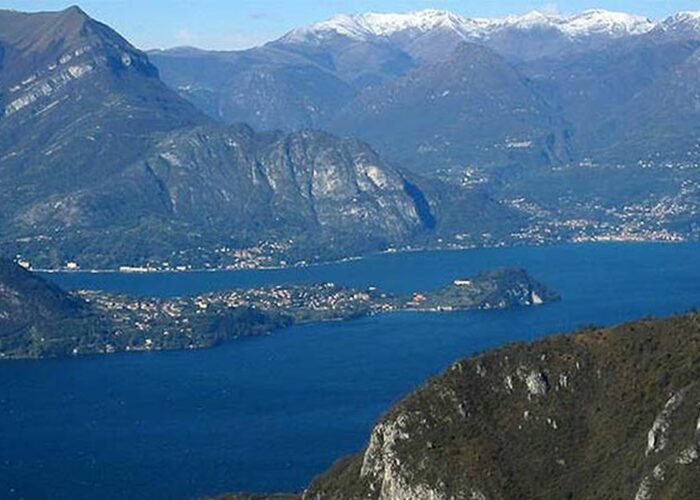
[(474, 90), (105, 165), (586, 23), (355, 57)]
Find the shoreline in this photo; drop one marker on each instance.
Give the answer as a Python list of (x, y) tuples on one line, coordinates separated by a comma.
[(189, 319), (357, 257), (270, 333)]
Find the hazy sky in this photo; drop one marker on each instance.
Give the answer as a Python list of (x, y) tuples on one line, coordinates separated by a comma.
[(230, 24)]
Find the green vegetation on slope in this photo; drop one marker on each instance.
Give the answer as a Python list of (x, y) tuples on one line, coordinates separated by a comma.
[(603, 413), (39, 320)]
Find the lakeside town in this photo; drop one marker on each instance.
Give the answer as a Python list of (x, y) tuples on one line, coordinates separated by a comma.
[(51, 322), (150, 323), (633, 228)]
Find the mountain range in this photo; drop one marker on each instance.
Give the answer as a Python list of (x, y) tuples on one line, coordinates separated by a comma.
[(104, 165), (429, 131), (417, 32), (538, 89)]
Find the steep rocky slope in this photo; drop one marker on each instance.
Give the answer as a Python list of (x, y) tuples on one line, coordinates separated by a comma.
[(471, 109), (37, 317), (80, 104), (606, 87), (268, 87), (78, 101), (102, 164), (602, 413), (303, 185)]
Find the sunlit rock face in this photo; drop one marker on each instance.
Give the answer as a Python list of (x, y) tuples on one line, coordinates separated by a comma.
[(306, 178)]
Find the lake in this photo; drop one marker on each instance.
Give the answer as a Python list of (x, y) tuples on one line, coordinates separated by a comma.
[(268, 413)]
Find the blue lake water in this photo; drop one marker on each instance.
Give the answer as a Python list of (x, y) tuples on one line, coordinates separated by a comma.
[(267, 414)]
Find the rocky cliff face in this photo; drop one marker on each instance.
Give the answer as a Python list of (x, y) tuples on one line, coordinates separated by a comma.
[(306, 179), (236, 186), (603, 413), (236, 180)]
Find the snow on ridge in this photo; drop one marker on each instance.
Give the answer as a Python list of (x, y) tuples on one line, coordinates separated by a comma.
[(371, 25), (599, 21), (376, 24), (682, 19), (587, 23), (387, 24), (688, 15)]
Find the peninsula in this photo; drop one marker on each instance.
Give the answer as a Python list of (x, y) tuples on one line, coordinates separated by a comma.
[(38, 319)]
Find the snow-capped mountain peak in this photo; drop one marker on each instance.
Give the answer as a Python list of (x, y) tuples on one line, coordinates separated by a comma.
[(598, 21), (388, 24), (372, 25), (682, 21), (531, 19), (586, 24)]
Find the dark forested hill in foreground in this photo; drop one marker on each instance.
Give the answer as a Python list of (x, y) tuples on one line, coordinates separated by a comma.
[(602, 413)]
